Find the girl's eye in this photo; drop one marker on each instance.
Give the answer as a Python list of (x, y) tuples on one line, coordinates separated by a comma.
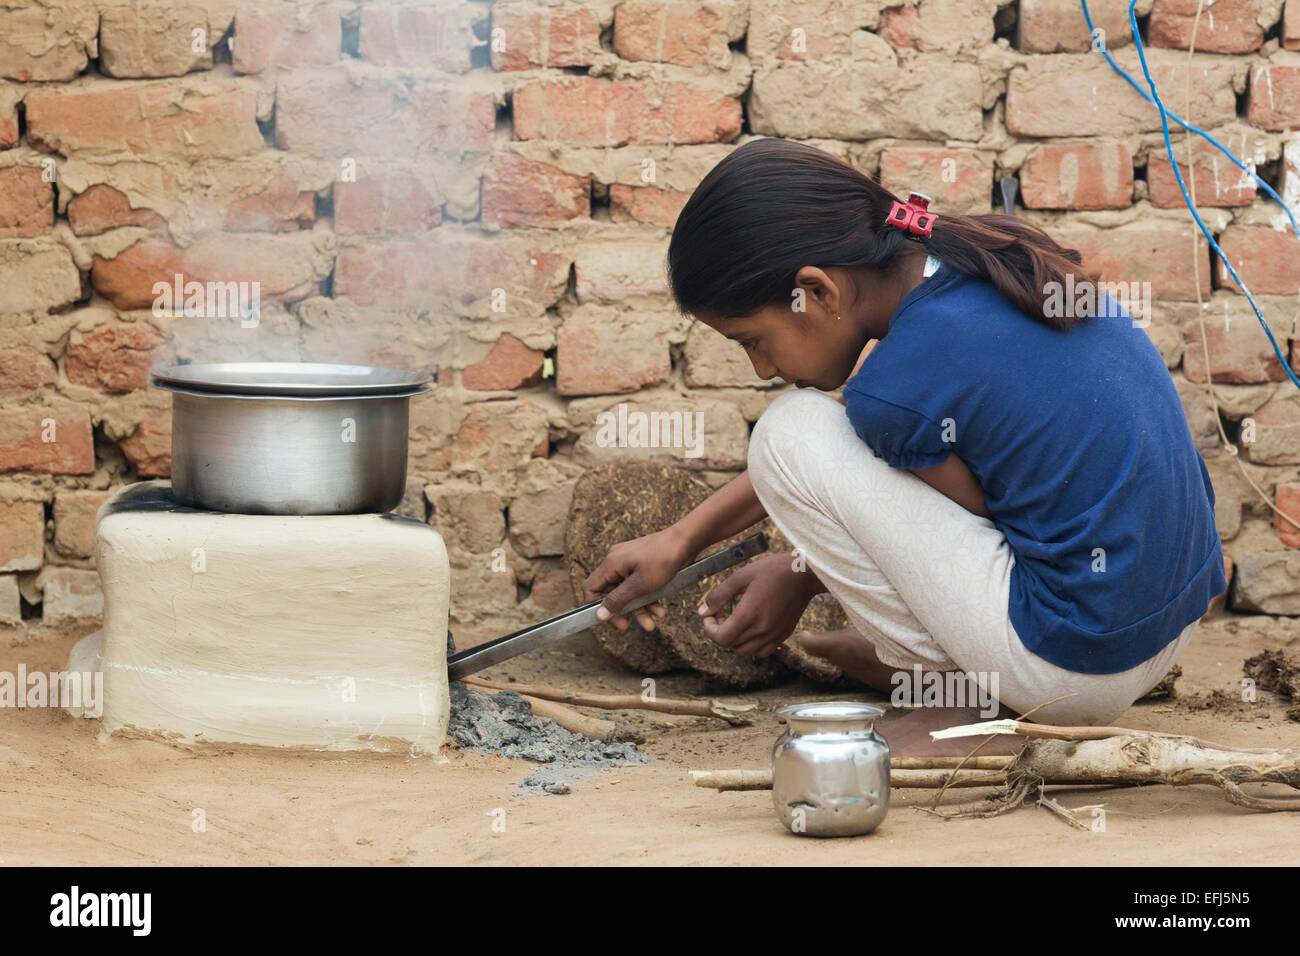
[(748, 344)]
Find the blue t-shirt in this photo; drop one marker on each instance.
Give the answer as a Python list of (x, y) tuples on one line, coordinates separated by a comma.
[(1080, 443)]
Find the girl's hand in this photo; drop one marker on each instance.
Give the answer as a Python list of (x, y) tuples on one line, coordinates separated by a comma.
[(774, 598), (633, 568)]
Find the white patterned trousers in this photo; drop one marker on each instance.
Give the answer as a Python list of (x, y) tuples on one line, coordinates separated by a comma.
[(920, 577)]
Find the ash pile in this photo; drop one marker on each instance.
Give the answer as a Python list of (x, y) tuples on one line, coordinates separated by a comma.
[(504, 723)]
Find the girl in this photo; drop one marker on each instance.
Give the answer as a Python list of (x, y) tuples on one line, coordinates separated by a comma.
[(1007, 488)]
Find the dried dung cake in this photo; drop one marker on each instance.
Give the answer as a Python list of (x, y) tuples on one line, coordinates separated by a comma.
[(619, 501)]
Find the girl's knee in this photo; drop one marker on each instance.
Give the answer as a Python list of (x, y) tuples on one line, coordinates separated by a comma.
[(792, 415)]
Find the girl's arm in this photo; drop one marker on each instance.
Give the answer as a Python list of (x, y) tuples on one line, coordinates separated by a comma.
[(955, 480), (731, 509)]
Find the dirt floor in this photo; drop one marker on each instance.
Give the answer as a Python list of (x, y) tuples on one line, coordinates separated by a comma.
[(65, 798)]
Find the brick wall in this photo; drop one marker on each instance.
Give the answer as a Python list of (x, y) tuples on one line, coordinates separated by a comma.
[(488, 188)]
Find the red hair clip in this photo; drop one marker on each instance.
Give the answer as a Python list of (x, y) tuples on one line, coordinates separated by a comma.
[(913, 215)]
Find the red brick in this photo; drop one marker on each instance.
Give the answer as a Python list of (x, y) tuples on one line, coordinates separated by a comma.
[(1277, 433), (593, 111), (149, 447), (957, 180), (101, 208), (325, 114), (510, 364), (552, 592), (950, 27), (1078, 176), (518, 191), (263, 39), (498, 436), (1217, 184), (280, 207), (74, 521), (649, 204), (1049, 26), (1288, 502), (410, 271), (115, 357), (415, 37), (599, 354), (1230, 26), (1076, 96), (661, 32), (1143, 252), (1267, 259), (26, 202), (47, 41), (216, 120), (1239, 353), (23, 448), (1273, 96), (8, 119), (23, 370), (384, 204), (128, 280), (22, 536), (544, 37), (38, 275)]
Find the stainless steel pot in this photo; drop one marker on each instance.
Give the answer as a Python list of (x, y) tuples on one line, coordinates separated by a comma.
[(289, 438), (830, 770)]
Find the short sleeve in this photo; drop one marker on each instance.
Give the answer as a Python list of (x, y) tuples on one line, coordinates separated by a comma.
[(902, 437)]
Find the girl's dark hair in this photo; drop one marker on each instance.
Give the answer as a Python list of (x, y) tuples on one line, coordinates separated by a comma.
[(772, 206)]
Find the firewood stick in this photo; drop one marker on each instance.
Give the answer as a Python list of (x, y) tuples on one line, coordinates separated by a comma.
[(1137, 757), (731, 713), (570, 719), (919, 779), (947, 763), (1050, 732)]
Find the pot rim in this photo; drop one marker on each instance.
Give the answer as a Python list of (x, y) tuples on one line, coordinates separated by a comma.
[(294, 379), (262, 397), (832, 710)]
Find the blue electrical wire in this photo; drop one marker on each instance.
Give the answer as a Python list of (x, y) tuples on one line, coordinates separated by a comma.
[(1165, 114)]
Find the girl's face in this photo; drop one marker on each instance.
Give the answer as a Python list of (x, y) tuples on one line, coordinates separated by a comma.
[(812, 348), (809, 349)]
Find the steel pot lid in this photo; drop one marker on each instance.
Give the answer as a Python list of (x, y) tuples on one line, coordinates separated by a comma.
[(289, 379)]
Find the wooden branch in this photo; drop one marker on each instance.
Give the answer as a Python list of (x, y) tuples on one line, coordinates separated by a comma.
[(1136, 757), (731, 713), (1050, 732), (606, 731), (918, 779)]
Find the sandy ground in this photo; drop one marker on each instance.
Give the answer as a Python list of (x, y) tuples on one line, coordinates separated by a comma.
[(65, 798)]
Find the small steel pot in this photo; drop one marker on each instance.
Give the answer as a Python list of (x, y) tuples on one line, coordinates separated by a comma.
[(830, 769), (253, 438)]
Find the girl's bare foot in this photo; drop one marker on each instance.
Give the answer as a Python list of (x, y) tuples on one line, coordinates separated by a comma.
[(848, 650), (908, 734)]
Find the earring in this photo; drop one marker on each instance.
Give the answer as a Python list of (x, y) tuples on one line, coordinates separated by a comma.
[(837, 316)]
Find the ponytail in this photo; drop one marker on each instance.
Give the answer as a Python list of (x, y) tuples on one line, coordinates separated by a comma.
[(773, 206)]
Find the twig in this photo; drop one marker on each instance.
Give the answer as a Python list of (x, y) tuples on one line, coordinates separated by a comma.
[(606, 731), (731, 713), (915, 779), (1049, 804), (1050, 732)]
